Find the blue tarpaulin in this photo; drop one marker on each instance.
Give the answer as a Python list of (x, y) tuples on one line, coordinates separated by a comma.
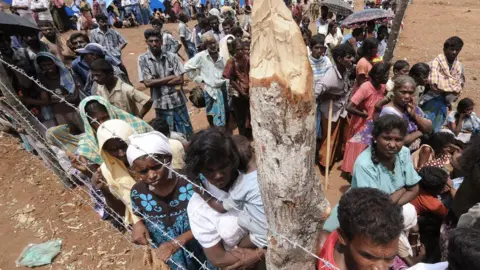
[(158, 4)]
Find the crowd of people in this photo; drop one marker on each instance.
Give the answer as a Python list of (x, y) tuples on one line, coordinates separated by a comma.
[(409, 156)]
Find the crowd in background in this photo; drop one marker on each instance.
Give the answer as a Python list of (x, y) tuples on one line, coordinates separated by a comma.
[(407, 142)]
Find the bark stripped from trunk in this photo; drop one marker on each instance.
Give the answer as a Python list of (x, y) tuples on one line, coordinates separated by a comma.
[(283, 120), (395, 33)]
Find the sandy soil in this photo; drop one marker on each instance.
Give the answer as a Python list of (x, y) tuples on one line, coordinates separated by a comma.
[(35, 207)]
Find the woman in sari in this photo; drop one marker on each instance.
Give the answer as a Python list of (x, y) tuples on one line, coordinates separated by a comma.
[(367, 52), (160, 198), (401, 105), (362, 108), (95, 110), (53, 74), (112, 136)]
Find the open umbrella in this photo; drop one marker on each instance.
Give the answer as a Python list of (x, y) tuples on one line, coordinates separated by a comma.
[(361, 17), (339, 7), (14, 25)]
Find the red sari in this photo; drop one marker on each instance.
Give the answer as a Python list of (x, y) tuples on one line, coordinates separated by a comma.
[(364, 99)]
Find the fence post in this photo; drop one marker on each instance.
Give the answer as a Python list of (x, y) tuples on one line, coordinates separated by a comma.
[(31, 126)]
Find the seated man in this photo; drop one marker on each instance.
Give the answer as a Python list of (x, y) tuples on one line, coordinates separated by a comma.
[(120, 94), (370, 227)]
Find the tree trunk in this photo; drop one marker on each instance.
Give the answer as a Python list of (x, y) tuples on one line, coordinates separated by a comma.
[(31, 126), (395, 32), (283, 121)]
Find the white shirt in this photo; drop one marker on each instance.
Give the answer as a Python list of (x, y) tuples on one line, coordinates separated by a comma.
[(43, 15), (183, 31), (211, 73), (382, 47), (22, 3), (126, 3), (210, 227), (427, 266)]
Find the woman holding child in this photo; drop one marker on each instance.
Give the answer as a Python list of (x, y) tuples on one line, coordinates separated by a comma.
[(227, 172)]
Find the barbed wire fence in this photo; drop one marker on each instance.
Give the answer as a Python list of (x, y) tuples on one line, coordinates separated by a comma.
[(31, 124)]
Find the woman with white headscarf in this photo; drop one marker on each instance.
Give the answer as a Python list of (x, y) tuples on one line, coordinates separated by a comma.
[(160, 197), (112, 138)]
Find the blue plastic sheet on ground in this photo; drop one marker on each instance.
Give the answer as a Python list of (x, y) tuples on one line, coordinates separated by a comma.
[(39, 254)]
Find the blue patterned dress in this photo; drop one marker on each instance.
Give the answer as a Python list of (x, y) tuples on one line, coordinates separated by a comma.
[(168, 215)]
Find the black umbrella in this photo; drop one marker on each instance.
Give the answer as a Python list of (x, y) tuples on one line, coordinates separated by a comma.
[(363, 16), (14, 25)]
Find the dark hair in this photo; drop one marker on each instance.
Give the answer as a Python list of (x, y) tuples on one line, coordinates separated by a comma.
[(379, 71), (45, 23), (160, 125), (306, 18), (370, 213), (382, 28), (93, 107), (464, 104), (202, 22), (464, 249), (102, 65), (77, 35), (453, 42), (386, 123), (433, 179), (470, 161), (183, 17), (210, 146), (331, 25), (419, 69), (306, 31), (342, 50), (357, 32), (201, 16), (324, 7), (317, 39), (236, 30), (152, 33), (228, 21), (244, 148), (368, 46), (212, 18), (440, 140), (101, 17), (156, 22), (42, 58), (400, 64)]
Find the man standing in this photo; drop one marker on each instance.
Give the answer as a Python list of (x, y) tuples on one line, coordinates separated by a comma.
[(110, 39), (55, 42), (41, 8), (209, 64), (334, 86), (323, 21), (145, 10), (446, 81), (162, 72), (214, 23), (23, 9), (186, 35), (169, 43), (117, 92)]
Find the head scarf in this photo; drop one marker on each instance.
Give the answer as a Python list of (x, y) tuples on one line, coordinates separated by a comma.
[(66, 78), (61, 137), (88, 146), (116, 174), (215, 12), (409, 221), (148, 143)]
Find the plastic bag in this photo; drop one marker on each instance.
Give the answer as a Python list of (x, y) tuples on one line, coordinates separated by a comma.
[(39, 254)]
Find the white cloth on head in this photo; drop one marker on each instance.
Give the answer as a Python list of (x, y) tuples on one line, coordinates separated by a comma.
[(115, 172), (147, 143), (409, 221)]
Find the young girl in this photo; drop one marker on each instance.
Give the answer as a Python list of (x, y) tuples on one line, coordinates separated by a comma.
[(463, 121)]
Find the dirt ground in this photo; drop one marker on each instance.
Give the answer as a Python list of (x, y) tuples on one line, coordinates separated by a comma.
[(35, 207)]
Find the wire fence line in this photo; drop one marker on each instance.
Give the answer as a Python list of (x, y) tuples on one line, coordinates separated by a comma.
[(194, 183)]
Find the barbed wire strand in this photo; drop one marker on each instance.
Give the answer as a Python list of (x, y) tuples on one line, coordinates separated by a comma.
[(111, 211), (118, 196), (201, 188)]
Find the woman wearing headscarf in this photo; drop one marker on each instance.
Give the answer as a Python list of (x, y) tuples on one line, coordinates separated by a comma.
[(112, 138), (95, 110), (54, 75), (160, 197)]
